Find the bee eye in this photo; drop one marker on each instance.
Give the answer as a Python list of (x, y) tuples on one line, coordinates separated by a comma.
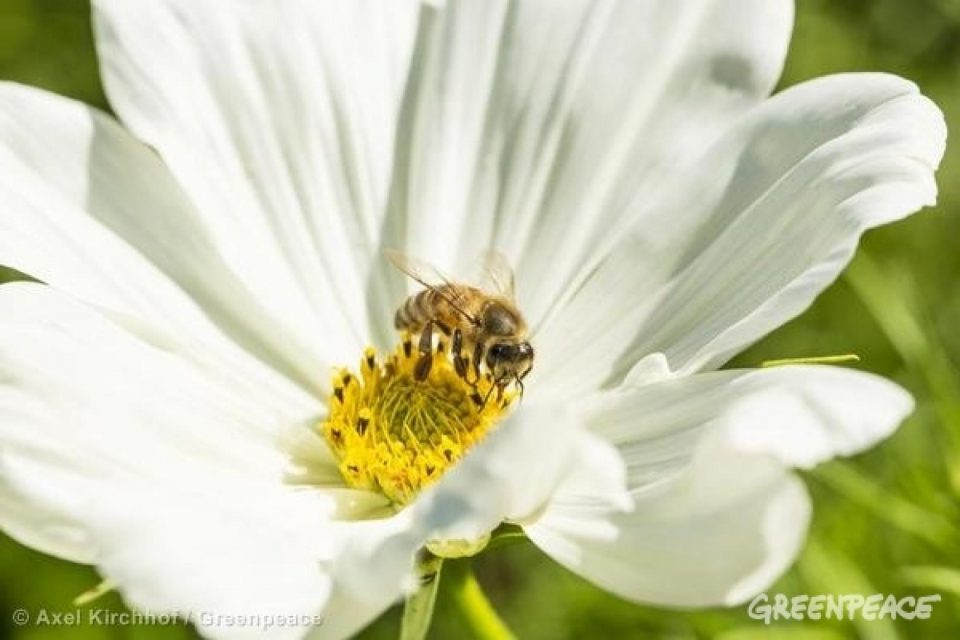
[(500, 351)]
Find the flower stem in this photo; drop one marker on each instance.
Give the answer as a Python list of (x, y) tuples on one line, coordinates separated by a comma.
[(483, 619), (418, 608)]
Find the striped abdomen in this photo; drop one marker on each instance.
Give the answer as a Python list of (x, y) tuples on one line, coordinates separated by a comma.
[(430, 304), (419, 309)]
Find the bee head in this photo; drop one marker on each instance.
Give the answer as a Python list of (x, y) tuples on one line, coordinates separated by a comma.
[(510, 360)]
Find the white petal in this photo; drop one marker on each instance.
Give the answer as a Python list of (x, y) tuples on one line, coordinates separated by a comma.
[(346, 615), (801, 415), (716, 536), (172, 481), (48, 532), (716, 515), (288, 154), (59, 355), (501, 479), (224, 562), (763, 224), (91, 211), (529, 124)]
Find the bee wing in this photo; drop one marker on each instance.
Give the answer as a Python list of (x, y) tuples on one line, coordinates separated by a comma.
[(495, 274), (430, 277), (427, 275)]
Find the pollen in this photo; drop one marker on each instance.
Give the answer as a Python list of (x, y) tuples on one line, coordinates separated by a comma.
[(395, 434)]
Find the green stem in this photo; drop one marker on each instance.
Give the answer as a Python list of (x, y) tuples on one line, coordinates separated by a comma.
[(418, 608), (473, 604)]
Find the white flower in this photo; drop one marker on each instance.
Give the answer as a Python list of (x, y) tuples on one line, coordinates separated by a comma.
[(208, 263)]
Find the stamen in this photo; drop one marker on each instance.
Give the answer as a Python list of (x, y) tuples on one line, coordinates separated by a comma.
[(394, 434)]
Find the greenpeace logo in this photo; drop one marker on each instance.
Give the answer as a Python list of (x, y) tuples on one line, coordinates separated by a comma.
[(849, 606)]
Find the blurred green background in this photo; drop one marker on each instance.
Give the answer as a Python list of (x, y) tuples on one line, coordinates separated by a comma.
[(885, 522)]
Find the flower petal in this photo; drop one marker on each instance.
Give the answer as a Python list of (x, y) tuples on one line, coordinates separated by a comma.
[(346, 614), (716, 517), (801, 415), (528, 124), (232, 568), (287, 157), (171, 480), (48, 532), (761, 226), (93, 212), (498, 480), (716, 536)]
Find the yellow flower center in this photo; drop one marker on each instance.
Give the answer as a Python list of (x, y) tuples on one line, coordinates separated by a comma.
[(395, 434)]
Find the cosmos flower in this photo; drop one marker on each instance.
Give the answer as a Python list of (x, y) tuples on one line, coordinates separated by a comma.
[(192, 390)]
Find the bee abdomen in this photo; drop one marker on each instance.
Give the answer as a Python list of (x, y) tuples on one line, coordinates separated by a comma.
[(412, 314)]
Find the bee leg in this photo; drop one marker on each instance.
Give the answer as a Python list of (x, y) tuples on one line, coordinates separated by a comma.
[(456, 348), (497, 385), (519, 382), (422, 369), (477, 359)]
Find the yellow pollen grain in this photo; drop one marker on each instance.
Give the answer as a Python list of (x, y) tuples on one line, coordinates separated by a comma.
[(396, 435)]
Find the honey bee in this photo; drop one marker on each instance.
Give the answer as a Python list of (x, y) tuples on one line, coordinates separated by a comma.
[(482, 321)]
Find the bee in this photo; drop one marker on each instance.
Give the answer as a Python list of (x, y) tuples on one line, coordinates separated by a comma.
[(483, 322)]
